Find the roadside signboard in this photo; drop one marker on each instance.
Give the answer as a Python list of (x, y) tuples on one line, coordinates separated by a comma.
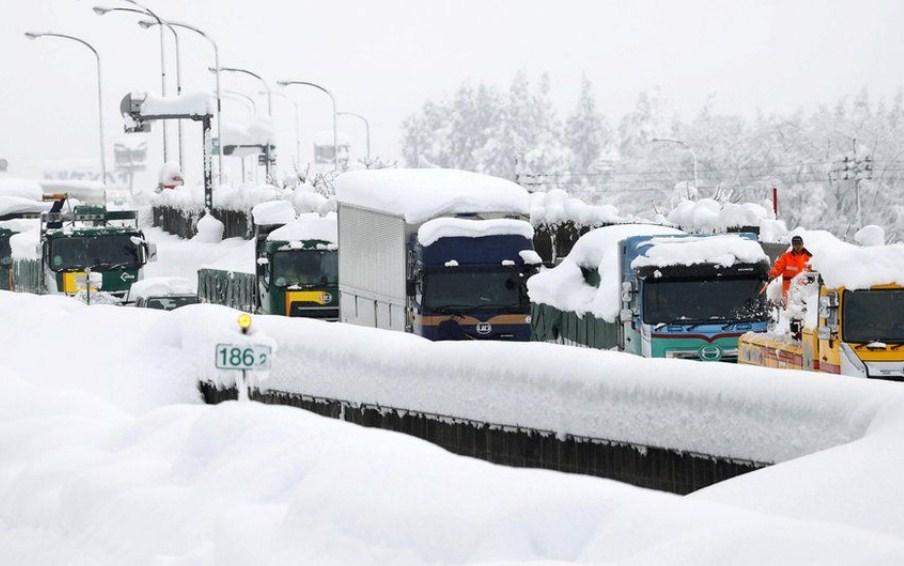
[(243, 357)]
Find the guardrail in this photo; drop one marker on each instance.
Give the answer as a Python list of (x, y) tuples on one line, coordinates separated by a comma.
[(184, 222), (645, 466)]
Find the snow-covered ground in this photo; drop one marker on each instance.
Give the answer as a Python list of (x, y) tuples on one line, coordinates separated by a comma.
[(109, 457)]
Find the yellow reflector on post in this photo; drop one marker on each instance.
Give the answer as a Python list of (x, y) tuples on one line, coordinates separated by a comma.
[(244, 321)]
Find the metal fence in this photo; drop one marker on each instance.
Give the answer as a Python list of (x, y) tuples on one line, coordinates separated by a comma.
[(184, 223), (645, 466)]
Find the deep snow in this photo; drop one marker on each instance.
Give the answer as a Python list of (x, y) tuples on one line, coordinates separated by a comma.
[(117, 463)]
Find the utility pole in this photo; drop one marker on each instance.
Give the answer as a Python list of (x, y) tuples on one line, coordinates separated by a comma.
[(851, 168)]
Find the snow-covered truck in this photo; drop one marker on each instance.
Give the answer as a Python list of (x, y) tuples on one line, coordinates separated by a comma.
[(17, 214), (293, 271), (653, 291), (440, 253), (70, 243), (846, 318)]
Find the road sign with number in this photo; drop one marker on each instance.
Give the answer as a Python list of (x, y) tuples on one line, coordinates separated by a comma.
[(244, 357)]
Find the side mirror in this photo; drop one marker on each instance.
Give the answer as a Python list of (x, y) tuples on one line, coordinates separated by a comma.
[(263, 261), (39, 250), (411, 287), (152, 251), (626, 315)]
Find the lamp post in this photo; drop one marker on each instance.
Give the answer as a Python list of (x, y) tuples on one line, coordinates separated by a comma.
[(216, 62), (366, 128), (102, 10), (256, 76), (335, 127), (100, 97), (685, 146), (284, 96)]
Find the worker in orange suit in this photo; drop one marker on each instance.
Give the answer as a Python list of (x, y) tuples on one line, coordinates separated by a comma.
[(790, 264)]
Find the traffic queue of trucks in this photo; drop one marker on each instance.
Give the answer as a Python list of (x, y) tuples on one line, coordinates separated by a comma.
[(448, 255)]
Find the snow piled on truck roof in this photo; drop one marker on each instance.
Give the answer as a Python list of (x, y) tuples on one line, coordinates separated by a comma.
[(708, 216), (724, 250), (557, 207), (421, 194), (308, 226), (433, 230), (842, 264), (564, 286)]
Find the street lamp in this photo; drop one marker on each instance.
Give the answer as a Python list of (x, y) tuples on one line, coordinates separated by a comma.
[(284, 96), (335, 127), (256, 76), (216, 62), (685, 146), (236, 95), (100, 97), (366, 128), (103, 10)]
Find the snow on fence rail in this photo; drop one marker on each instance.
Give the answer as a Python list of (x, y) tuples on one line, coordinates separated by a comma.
[(721, 410)]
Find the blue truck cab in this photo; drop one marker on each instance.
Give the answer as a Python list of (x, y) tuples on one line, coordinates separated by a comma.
[(472, 288)]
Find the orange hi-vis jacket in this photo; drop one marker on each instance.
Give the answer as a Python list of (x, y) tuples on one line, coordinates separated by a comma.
[(789, 265)]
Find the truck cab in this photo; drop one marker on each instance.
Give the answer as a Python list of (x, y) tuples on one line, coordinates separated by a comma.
[(472, 287), (297, 267), (854, 332), (86, 239), (679, 303)]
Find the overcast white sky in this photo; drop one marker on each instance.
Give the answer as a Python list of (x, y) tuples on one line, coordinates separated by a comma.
[(384, 58)]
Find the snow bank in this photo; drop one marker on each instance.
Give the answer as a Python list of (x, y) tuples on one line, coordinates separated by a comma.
[(19, 205), (557, 207), (708, 216), (161, 286), (196, 104), (239, 258), (273, 212), (21, 188), (225, 197), (564, 286), (422, 194), (306, 200), (122, 465), (433, 230), (210, 230), (842, 264), (308, 226), (870, 235), (21, 224), (183, 258), (723, 250)]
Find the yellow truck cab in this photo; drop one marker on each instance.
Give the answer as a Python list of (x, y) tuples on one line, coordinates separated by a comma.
[(835, 330)]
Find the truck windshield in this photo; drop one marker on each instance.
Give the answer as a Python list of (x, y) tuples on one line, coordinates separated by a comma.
[(466, 289), (305, 268), (702, 301), (102, 251), (874, 316)]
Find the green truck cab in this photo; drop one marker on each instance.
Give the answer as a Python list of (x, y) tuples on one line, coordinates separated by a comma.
[(85, 248), (294, 271)]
